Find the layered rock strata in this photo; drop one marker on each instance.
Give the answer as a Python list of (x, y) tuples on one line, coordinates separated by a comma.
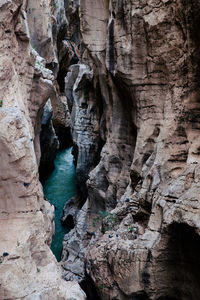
[(134, 104), (145, 57), (28, 269)]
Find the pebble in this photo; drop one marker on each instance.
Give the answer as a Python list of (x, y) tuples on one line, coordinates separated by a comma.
[(5, 254)]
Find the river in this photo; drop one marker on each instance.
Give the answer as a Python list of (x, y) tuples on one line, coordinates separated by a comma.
[(59, 187)]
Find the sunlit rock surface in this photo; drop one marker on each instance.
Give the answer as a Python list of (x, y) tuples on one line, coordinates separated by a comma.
[(130, 72), (145, 61), (28, 269)]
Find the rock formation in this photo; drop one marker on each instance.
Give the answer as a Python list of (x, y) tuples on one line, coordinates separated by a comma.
[(28, 269), (145, 61), (49, 143), (130, 72)]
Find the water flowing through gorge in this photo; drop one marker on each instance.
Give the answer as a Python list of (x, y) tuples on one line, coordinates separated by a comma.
[(59, 187), (119, 81)]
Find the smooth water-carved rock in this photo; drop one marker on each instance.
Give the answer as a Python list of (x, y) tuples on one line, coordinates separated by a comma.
[(85, 134), (133, 95), (150, 63), (61, 121), (28, 269), (84, 123), (145, 57), (40, 22)]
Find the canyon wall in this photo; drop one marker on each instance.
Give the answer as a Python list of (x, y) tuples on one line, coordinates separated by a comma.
[(128, 74), (144, 59), (28, 269)]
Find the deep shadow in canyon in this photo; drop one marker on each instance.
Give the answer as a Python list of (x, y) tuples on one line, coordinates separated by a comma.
[(139, 113), (183, 263)]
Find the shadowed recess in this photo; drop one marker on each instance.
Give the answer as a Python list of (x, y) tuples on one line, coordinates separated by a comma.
[(182, 265)]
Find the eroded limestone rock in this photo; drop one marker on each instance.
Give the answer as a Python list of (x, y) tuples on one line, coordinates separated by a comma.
[(145, 56), (28, 269)]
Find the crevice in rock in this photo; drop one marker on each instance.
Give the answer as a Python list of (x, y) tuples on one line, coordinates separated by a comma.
[(89, 288), (75, 153), (111, 46), (61, 79)]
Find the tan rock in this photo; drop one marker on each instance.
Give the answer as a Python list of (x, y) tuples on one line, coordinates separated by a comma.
[(28, 269), (144, 55)]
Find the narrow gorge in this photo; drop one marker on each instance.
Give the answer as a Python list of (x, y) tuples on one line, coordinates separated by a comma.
[(58, 188), (100, 149)]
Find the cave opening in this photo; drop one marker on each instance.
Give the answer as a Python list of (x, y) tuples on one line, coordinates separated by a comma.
[(182, 265), (89, 288), (69, 222), (62, 73)]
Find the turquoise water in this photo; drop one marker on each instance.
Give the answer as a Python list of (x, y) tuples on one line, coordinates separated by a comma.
[(59, 187)]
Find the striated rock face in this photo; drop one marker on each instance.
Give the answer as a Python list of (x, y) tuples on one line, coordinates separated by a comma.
[(130, 71), (86, 138), (145, 58), (84, 123), (28, 269)]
